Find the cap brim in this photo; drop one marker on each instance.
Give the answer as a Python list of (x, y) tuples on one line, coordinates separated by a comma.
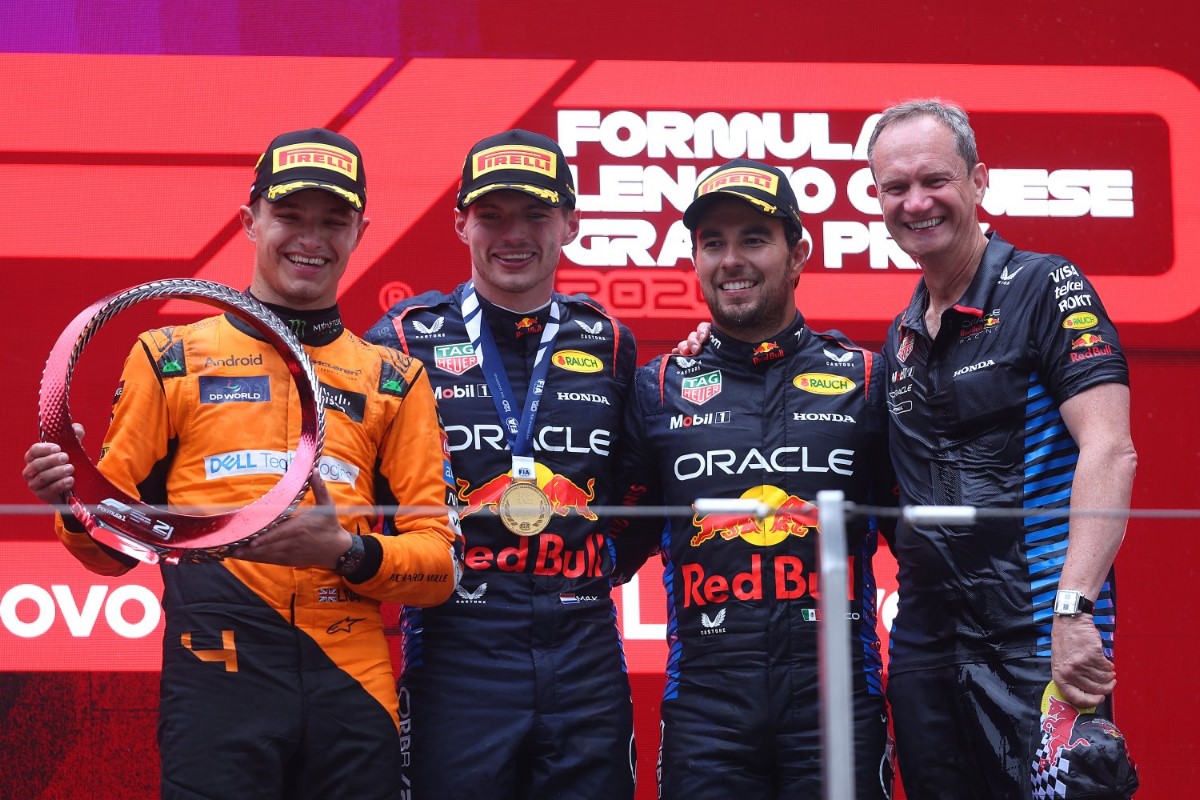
[(547, 196), (279, 191), (691, 217), (693, 213)]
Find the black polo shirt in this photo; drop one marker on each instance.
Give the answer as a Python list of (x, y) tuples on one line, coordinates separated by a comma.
[(974, 420)]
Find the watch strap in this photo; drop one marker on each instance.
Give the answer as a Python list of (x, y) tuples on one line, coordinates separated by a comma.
[(349, 561)]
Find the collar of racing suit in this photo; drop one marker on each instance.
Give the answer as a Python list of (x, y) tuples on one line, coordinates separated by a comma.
[(508, 325), (782, 344), (313, 328)]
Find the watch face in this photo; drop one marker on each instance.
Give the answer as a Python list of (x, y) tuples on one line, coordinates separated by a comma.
[(1066, 601)]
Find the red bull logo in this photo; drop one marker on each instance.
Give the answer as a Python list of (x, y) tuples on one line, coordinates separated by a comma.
[(484, 496), (544, 554), (1089, 345), (906, 348), (1058, 725), (789, 579), (767, 351), (793, 516), (528, 325), (564, 495)]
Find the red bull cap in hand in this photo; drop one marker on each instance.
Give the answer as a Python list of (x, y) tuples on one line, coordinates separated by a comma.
[(1082, 756)]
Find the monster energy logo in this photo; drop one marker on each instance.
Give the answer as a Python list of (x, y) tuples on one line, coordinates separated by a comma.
[(297, 326)]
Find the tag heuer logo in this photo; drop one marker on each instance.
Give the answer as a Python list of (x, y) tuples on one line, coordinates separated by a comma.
[(702, 388), (455, 358)]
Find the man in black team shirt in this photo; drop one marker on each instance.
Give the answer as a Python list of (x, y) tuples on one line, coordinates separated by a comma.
[(775, 412), (1008, 390), (516, 688)]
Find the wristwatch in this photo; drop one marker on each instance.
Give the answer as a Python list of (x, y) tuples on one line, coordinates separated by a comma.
[(1071, 603), (349, 561)]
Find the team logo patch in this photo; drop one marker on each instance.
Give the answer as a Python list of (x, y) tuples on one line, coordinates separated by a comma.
[(1081, 321), (455, 358), (906, 347), (392, 380), (576, 361), (352, 404), (528, 325), (1089, 345), (311, 154), (431, 329), (238, 463), (702, 388), (244, 389), (823, 383), (767, 351), (740, 176), (172, 363), (514, 156)]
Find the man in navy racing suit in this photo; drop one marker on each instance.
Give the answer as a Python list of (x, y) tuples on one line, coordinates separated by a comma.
[(516, 687), (775, 412)]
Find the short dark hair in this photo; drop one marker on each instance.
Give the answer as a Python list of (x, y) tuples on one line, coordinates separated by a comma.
[(949, 115)]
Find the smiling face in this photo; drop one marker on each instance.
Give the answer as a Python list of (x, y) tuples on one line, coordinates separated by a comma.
[(929, 196), (747, 271), (515, 242), (302, 244)]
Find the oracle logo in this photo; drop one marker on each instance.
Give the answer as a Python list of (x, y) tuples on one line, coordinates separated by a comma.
[(28, 610)]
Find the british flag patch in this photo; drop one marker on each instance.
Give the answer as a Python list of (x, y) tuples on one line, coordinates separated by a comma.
[(327, 595)]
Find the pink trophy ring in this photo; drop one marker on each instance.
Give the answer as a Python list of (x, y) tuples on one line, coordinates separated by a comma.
[(150, 533)]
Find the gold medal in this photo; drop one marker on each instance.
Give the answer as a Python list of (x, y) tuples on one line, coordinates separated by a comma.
[(524, 508)]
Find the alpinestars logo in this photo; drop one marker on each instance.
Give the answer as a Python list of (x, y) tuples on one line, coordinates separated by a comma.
[(465, 595), (714, 624), (432, 331)]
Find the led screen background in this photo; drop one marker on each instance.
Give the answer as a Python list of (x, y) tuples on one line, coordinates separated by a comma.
[(130, 129)]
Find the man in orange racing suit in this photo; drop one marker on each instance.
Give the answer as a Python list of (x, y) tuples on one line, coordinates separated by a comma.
[(277, 681)]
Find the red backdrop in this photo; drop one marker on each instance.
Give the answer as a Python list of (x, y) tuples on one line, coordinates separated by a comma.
[(131, 132)]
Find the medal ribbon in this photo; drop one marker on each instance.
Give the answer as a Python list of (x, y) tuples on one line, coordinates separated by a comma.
[(518, 426)]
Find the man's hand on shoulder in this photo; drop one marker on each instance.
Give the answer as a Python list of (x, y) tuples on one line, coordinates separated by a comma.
[(694, 343)]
